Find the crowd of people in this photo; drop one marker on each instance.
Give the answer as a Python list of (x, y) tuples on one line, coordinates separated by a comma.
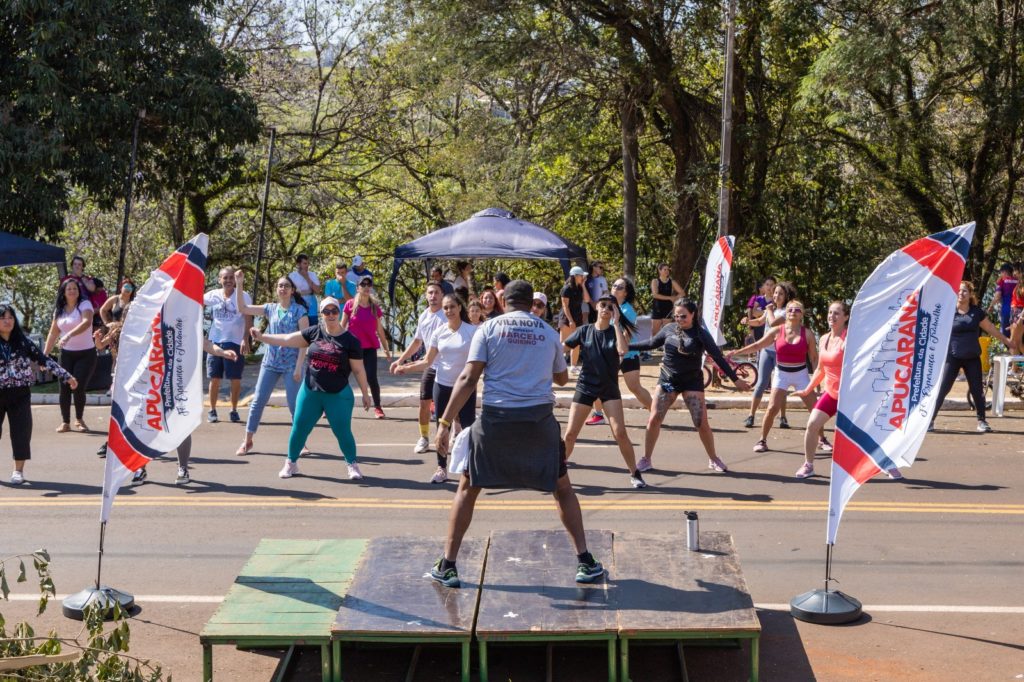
[(319, 334)]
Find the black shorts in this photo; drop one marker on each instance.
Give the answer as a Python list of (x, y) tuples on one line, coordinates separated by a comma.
[(630, 365), (427, 384), (682, 384), (222, 368), (660, 313), (607, 393), (563, 469)]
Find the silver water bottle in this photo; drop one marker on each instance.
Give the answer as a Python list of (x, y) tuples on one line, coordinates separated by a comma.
[(692, 531)]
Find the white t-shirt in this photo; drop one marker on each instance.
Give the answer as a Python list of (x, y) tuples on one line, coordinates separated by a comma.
[(522, 353), (428, 324), (228, 322), (452, 351), (67, 321), (302, 286)]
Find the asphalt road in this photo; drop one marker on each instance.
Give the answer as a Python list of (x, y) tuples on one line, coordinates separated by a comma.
[(937, 559)]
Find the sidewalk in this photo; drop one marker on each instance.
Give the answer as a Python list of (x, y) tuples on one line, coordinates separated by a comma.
[(404, 391)]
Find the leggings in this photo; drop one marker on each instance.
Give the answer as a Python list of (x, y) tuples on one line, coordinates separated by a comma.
[(265, 384), (467, 415), (80, 363), (16, 405), (972, 369), (765, 365), (370, 365), (338, 408), (185, 451)]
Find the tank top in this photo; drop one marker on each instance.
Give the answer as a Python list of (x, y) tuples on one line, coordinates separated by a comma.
[(117, 310), (665, 289), (791, 353), (831, 362)]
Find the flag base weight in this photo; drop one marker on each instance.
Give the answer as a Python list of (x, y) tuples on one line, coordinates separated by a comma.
[(825, 607), (74, 606)]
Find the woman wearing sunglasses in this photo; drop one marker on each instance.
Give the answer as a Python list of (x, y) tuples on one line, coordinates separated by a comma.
[(362, 316), (685, 343), (114, 308), (333, 353), (794, 351), (601, 346)]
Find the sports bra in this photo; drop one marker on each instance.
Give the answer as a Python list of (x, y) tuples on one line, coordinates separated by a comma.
[(791, 353)]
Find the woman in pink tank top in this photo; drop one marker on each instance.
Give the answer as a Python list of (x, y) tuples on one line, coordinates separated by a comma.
[(794, 351), (830, 366)]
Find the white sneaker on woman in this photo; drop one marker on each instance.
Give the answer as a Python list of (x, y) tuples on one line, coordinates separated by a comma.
[(354, 474), (289, 469)]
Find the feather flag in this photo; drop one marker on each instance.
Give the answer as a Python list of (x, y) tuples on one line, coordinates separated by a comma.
[(716, 284)]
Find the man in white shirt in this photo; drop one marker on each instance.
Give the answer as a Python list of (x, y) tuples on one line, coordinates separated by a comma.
[(307, 284), (229, 330), (430, 321)]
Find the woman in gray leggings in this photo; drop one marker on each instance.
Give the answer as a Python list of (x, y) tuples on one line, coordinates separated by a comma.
[(773, 317)]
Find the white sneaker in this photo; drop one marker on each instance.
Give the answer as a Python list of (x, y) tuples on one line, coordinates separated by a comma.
[(637, 482), (289, 469), (182, 478), (440, 476), (422, 445), (644, 464), (354, 474), (17, 478)]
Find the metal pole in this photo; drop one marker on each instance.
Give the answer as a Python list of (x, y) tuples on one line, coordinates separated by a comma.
[(263, 215), (725, 190), (828, 565), (128, 185), (99, 562)]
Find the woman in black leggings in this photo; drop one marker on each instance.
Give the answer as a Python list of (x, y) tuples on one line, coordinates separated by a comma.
[(71, 331), (965, 351)]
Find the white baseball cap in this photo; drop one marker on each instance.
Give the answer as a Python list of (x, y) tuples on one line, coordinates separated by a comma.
[(540, 296), (329, 300), (577, 270), (357, 261)]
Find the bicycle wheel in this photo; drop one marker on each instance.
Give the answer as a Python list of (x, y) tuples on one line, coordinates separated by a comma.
[(707, 375), (748, 372)]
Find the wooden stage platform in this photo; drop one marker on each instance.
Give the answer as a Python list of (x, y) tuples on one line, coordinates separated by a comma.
[(517, 587)]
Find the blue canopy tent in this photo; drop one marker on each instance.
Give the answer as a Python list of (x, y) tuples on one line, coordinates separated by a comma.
[(15, 250), (490, 233)]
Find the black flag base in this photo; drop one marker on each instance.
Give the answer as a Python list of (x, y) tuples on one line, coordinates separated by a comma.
[(825, 607), (106, 597)]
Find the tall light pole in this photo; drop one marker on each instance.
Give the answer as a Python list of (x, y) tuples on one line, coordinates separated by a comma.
[(725, 189), (263, 215)]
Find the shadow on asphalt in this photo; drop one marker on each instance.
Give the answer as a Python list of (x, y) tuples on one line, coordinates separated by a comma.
[(1008, 645)]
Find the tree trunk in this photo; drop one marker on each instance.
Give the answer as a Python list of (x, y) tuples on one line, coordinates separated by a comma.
[(630, 154)]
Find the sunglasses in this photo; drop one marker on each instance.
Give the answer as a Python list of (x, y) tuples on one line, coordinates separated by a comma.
[(605, 306), (682, 317), (366, 284), (795, 310), (537, 304), (330, 311), (618, 286)]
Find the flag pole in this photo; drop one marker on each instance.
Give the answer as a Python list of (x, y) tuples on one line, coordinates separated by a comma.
[(826, 607), (106, 598)]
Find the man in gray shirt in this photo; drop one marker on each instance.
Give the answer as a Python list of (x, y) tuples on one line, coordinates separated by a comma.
[(516, 442)]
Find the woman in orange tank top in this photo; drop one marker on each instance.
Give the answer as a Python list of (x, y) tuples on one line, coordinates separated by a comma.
[(830, 365)]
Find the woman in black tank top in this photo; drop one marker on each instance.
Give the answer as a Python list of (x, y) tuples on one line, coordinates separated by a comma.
[(665, 291), (113, 308)]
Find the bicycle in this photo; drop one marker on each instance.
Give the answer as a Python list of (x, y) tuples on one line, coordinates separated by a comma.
[(746, 371)]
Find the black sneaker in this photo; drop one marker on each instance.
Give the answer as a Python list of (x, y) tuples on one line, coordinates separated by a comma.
[(102, 452), (748, 423), (588, 573), (233, 416), (783, 423), (211, 417), (448, 578), (140, 477)]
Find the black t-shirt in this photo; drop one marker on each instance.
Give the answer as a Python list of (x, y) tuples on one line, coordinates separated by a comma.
[(684, 352), (575, 296), (327, 360), (963, 339), (599, 358)]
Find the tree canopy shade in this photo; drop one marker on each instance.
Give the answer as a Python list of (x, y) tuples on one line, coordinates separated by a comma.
[(15, 250), (490, 233)]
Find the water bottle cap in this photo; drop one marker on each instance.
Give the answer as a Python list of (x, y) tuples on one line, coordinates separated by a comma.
[(691, 515)]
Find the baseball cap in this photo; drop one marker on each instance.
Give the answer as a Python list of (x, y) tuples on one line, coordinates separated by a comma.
[(357, 261), (519, 291), (577, 270), (329, 300), (540, 296)]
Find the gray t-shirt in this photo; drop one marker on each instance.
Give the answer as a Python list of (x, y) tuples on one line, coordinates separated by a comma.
[(522, 353)]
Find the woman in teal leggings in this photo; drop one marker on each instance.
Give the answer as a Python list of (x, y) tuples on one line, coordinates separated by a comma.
[(333, 354)]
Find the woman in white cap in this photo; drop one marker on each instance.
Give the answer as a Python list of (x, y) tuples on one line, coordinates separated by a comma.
[(333, 354), (539, 307), (574, 294)]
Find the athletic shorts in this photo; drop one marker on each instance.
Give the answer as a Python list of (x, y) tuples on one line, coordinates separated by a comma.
[(827, 404), (222, 368), (427, 384), (661, 313), (683, 384), (608, 393), (630, 365), (784, 380)]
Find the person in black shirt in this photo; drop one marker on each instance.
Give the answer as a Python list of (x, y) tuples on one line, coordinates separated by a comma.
[(333, 354), (602, 346), (685, 343), (965, 351), (574, 294)]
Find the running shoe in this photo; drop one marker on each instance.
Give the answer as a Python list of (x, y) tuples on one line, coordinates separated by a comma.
[(440, 476), (354, 474), (234, 416), (894, 474), (637, 481), (748, 423), (588, 573), (644, 465), (182, 477), (595, 419), (761, 446), (64, 428), (574, 370), (783, 423), (983, 426), (211, 417), (289, 469), (449, 577), (17, 478), (715, 464), (378, 413), (806, 470), (824, 445), (305, 451), (140, 477), (80, 426), (422, 445), (102, 452)]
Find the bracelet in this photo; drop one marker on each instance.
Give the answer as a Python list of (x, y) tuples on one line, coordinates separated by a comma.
[(444, 422)]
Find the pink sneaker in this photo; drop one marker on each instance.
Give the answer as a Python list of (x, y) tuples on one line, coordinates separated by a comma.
[(378, 413), (761, 446), (806, 470), (894, 474), (595, 419), (718, 465), (440, 476), (644, 464)]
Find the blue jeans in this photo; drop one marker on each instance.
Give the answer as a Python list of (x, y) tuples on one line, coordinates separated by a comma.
[(265, 385)]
